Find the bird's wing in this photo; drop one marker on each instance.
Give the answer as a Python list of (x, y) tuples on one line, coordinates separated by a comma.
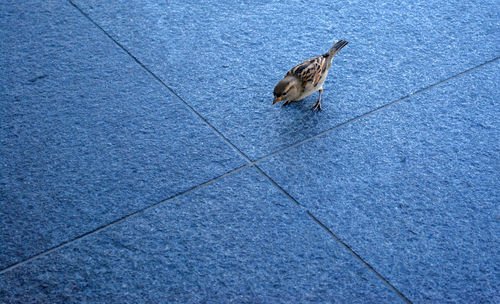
[(310, 70)]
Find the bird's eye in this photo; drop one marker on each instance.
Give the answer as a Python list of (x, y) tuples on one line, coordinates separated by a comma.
[(284, 93)]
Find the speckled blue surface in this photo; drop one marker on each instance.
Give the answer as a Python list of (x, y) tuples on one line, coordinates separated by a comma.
[(245, 244), (224, 57), (124, 126), (87, 136), (414, 189)]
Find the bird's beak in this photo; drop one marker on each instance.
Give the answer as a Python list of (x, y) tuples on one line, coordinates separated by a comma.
[(277, 99)]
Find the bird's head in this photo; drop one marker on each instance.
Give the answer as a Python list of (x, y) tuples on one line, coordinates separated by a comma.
[(286, 89)]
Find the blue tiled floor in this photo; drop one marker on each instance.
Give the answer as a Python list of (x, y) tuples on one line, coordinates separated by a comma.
[(87, 135), (224, 57), (413, 188), (244, 244), (142, 161)]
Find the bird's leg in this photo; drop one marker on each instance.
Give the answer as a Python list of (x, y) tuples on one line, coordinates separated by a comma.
[(287, 102), (317, 105)]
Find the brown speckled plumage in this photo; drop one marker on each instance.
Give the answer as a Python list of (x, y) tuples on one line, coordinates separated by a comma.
[(307, 78)]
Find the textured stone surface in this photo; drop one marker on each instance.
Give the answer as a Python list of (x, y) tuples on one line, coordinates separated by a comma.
[(414, 189), (86, 135), (224, 57), (237, 240)]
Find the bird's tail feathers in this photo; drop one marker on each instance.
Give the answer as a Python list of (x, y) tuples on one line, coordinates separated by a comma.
[(336, 47)]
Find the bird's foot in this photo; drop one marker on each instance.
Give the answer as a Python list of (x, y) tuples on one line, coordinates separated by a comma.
[(317, 106)]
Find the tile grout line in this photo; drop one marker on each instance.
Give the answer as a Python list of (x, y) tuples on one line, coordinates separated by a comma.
[(316, 220), (335, 237), (275, 184), (157, 78), (228, 142), (250, 163), (121, 219), (137, 212), (384, 106)]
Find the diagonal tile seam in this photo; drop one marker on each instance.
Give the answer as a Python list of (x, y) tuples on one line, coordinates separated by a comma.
[(178, 195), (335, 237), (137, 212), (359, 258), (384, 106), (157, 78), (233, 146), (249, 164), (121, 219), (315, 219)]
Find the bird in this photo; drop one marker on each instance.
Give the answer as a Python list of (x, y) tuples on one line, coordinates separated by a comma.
[(307, 78)]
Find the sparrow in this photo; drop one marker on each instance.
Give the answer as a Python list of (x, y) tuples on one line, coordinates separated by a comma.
[(306, 78)]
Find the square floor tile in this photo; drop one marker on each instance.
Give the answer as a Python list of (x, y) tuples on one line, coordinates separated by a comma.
[(224, 57), (87, 136), (413, 189), (237, 240)]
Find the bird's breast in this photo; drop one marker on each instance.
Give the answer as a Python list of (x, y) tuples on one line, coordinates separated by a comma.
[(310, 88)]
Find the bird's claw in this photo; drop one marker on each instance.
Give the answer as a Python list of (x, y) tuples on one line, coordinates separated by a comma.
[(317, 106)]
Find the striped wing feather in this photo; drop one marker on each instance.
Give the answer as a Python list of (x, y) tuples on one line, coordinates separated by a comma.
[(310, 70)]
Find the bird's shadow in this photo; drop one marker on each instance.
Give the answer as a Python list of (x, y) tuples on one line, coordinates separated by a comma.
[(298, 121)]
